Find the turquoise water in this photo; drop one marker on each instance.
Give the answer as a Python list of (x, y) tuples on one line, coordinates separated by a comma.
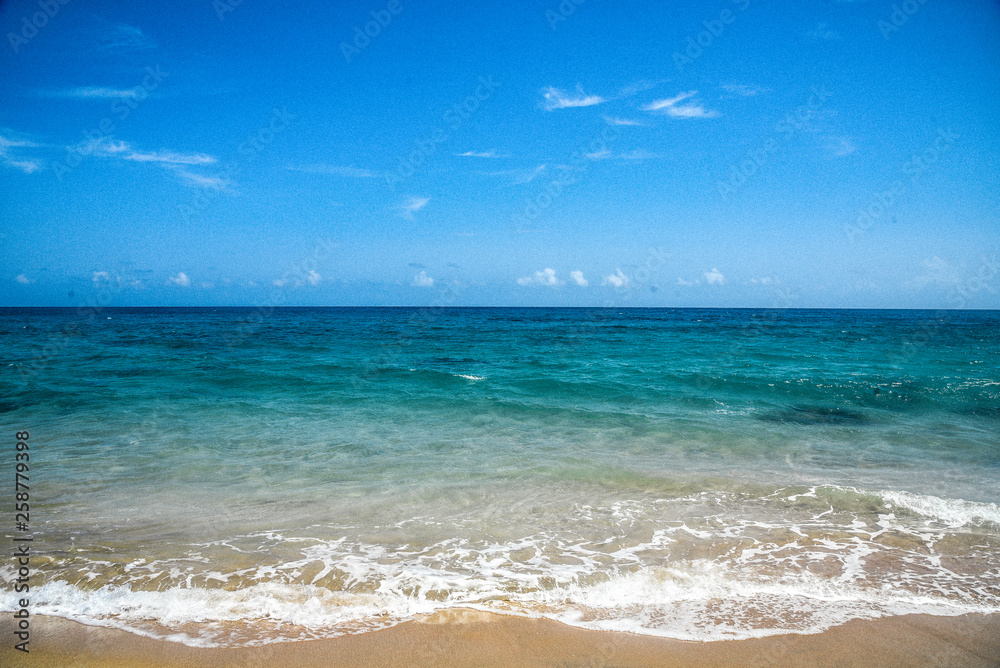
[(237, 476)]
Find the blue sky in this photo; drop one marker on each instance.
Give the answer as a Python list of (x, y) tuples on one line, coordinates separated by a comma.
[(728, 153)]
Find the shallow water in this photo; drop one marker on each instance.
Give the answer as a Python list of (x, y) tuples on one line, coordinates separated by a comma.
[(232, 476)]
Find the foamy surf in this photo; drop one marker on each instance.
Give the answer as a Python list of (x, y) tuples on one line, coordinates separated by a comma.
[(711, 565)]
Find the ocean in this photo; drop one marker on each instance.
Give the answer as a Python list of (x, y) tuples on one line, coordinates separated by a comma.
[(226, 476)]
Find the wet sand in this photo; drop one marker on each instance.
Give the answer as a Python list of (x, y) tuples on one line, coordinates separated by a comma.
[(470, 638)]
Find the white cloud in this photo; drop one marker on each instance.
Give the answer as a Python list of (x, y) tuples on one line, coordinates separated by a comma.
[(681, 281), (26, 166), (181, 279), (8, 140), (23, 280), (638, 154), (546, 277), (482, 154), (714, 277), (95, 93), (528, 177), (338, 170), (559, 99), (577, 277), (599, 155), (675, 110), (280, 282), (313, 277), (613, 120), (124, 37), (170, 160), (618, 279), (938, 272), (841, 146), (170, 157), (202, 181), (743, 89), (823, 32), (99, 276), (764, 280), (412, 205), (422, 280), (668, 102)]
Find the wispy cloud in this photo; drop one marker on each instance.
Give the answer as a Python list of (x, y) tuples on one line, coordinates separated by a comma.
[(614, 120), (841, 146), (23, 280), (681, 281), (170, 157), (823, 32), (422, 280), (482, 154), (637, 87), (577, 277), (412, 205), (560, 99), (172, 161), (529, 176), (603, 154), (12, 140), (743, 90), (125, 37), (337, 170), (672, 107), (202, 181), (94, 93), (639, 154), (546, 277)]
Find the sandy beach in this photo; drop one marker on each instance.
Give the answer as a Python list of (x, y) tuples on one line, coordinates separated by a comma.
[(470, 638)]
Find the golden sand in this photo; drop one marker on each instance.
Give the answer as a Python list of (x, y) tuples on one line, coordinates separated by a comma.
[(469, 638)]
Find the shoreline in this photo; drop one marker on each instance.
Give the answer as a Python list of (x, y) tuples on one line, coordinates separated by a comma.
[(465, 637)]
